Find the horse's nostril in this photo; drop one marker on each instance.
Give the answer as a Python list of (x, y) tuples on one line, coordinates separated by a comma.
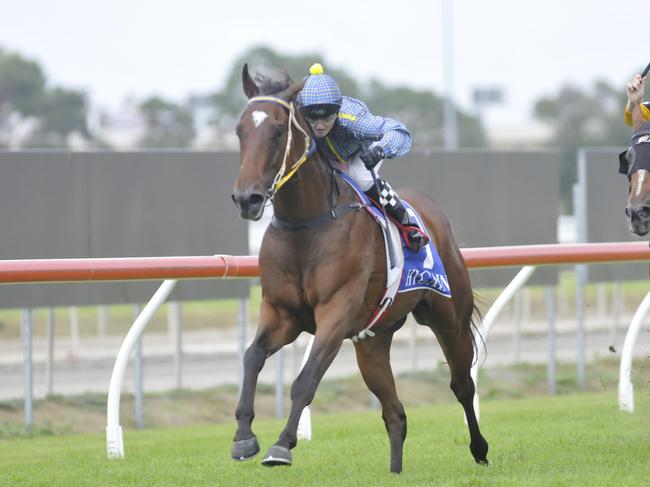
[(628, 213), (255, 199)]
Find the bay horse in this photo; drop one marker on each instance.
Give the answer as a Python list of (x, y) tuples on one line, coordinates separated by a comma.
[(635, 163), (323, 271)]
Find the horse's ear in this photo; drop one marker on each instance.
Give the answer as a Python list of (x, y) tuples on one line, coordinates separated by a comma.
[(291, 92), (250, 88)]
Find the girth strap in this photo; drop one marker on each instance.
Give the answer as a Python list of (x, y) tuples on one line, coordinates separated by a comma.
[(327, 217)]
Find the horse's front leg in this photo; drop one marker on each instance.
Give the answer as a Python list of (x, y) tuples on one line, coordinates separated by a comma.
[(330, 334), (275, 330)]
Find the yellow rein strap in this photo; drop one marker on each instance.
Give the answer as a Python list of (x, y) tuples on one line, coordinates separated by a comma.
[(281, 178)]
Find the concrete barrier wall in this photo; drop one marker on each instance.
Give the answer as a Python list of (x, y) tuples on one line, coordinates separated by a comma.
[(117, 204), (492, 198)]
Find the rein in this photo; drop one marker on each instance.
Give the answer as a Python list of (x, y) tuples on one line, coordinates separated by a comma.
[(281, 178)]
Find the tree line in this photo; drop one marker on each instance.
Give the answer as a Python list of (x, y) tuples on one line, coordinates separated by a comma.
[(34, 114)]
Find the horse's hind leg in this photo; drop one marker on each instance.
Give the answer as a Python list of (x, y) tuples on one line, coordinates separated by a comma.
[(273, 333), (373, 355), (459, 351)]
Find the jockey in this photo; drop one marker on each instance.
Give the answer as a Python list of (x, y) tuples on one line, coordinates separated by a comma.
[(357, 142), (632, 116)]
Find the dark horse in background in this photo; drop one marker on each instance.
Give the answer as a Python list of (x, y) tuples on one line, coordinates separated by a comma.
[(635, 163), (327, 280)]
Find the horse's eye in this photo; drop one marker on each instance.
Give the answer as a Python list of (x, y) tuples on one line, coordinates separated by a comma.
[(238, 132), (279, 132)]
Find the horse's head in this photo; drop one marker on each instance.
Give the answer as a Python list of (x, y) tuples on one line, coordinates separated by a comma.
[(635, 162), (264, 139)]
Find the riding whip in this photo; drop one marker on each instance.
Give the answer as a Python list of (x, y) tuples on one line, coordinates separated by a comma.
[(645, 71)]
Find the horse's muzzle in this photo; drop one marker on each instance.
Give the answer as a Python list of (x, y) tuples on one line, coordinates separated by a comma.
[(638, 219), (250, 204)]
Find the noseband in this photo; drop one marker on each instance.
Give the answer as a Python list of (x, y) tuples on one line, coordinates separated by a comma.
[(310, 147)]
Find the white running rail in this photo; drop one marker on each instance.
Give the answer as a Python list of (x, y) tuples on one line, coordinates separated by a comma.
[(114, 439)]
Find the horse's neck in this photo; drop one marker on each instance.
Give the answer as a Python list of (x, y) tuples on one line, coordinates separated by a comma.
[(307, 194)]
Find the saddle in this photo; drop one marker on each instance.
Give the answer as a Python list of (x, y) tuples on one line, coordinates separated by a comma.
[(410, 270)]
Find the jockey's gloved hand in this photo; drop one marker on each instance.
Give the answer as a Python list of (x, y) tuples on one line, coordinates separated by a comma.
[(371, 156)]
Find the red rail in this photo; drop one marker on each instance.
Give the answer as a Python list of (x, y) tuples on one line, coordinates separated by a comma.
[(554, 254), (220, 266)]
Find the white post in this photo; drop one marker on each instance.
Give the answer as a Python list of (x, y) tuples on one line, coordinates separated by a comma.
[(138, 392), (601, 301), (550, 314), (617, 310), (449, 115), (26, 315), (114, 440), (102, 320), (413, 345), (279, 383), (74, 329), (304, 423), (625, 390), (243, 320), (49, 363), (519, 318), (580, 211), (175, 326), (581, 279), (490, 317)]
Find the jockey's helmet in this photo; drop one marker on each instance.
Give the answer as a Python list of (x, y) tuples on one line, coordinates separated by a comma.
[(321, 96)]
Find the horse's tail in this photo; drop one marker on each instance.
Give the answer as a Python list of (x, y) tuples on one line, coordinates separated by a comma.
[(475, 320)]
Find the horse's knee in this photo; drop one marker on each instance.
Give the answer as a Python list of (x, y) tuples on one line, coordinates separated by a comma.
[(255, 356), (463, 390), (301, 391), (395, 420)]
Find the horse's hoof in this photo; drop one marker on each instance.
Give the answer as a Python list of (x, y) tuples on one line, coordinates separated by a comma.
[(482, 461), (277, 455), (245, 449)]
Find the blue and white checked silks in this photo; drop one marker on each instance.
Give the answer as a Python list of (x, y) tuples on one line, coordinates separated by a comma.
[(356, 126)]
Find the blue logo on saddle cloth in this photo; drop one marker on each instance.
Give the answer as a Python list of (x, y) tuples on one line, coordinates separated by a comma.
[(422, 270)]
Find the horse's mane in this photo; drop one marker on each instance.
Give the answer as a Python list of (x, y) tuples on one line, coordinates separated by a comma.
[(276, 81)]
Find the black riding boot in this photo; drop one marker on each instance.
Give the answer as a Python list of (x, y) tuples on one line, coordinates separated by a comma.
[(413, 235)]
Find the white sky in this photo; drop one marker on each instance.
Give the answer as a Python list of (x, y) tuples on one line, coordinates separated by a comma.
[(118, 48)]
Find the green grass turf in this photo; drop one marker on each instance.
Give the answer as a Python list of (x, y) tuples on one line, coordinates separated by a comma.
[(546, 441)]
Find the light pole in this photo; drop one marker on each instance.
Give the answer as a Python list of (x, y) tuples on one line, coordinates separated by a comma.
[(451, 125)]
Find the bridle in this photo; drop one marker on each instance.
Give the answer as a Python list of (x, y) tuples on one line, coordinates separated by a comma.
[(281, 178), (334, 212)]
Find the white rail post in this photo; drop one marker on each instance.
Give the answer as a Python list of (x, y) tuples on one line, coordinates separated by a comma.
[(175, 326), (102, 320), (581, 338), (304, 423), (550, 314), (490, 317), (26, 315), (114, 439), (279, 383), (243, 321), (49, 363), (625, 389), (580, 211), (138, 393), (413, 344), (617, 310), (75, 341)]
